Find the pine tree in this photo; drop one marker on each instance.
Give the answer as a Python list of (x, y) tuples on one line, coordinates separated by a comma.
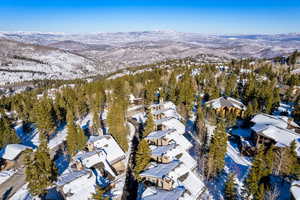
[(71, 137), (261, 193), (40, 170), (76, 139), (44, 115), (99, 195), (7, 134), (81, 139), (142, 157), (261, 167), (230, 192), (150, 126), (217, 151), (116, 119), (200, 126), (286, 161)]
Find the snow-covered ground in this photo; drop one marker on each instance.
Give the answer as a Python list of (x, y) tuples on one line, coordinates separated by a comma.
[(286, 108), (23, 194), (5, 175), (29, 139)]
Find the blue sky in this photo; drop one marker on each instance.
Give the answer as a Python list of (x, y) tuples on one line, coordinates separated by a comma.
[(202, 16)]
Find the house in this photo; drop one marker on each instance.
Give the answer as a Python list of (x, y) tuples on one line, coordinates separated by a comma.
[(295, 190), (12, 155), (165, 154), (158, 174), (169, 136), (77, 184), (162, 106), (165, 113), (280, 121), (276, 130), (171, 175), (170, 123), (226, 105), (93, 158), (152, 193), (135, 101), (114, 154)]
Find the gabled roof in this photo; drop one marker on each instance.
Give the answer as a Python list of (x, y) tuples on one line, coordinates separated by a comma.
[(159, 134), (169, 112), (282, 136), (160, 170), (155, 194), (226, 102), (110, 147), (159, 151), (11, 151), (71, 176), (265, 119), (171, 123), (165, 105)]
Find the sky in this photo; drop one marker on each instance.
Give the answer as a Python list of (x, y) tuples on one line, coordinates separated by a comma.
[(199, 16)]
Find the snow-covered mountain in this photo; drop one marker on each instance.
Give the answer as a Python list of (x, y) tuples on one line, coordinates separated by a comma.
[(19, 62), (77, 55)]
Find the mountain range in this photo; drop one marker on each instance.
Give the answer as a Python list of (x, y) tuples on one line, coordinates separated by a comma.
[(35, 55)]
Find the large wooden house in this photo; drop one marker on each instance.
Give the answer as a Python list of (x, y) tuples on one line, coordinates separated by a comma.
[(227, 105), (274, 130)]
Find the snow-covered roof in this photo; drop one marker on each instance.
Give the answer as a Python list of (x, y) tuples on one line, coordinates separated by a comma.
[(164, 105), (295, 189), (11, 151), (152, 193), (171, 123), (71, 176), (171, 134), (282, 136), (161, 150), (169, 112), (175, 152), (184, 176), (159, 134), (226, 102), (92, 158), (265, 119), (160, 170), (81, 184), (110, 146)]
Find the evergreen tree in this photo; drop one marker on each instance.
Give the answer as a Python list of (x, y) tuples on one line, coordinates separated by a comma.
[(261, 167), (99, 195), (150, 125), (40, 170), (44, 115), (76, 139), (71, 137), (217, 151), (7, 134), (142, 157), (261, 192), (200, 125), (286, 162), (81, 139), (230, 188), (116, 119)]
